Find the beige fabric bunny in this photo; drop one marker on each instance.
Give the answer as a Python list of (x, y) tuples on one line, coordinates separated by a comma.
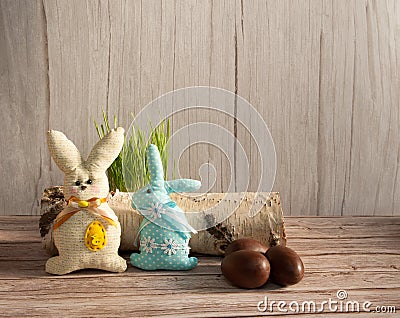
[(87, 232)]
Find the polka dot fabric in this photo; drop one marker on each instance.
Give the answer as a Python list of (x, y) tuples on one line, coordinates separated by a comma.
[(164, 232)]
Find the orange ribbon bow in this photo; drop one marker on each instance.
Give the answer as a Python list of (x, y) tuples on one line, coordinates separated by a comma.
[(74, 205)]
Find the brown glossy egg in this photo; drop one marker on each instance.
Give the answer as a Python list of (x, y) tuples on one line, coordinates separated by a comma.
[(246, 269), (286, 266), (246, 244)]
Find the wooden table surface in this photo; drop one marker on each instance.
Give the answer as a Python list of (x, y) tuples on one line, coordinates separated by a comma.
[(358, 255)]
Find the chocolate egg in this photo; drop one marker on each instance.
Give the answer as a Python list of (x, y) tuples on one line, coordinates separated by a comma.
[(286, 266), (246, 244), (246, 269)]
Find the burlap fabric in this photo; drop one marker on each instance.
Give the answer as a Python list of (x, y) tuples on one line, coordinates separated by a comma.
[(86, 180)]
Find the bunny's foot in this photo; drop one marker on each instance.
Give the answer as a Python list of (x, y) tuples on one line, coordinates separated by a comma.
[(116, 265), (186, 264), (59, 266), (154, 262), (143, 262)]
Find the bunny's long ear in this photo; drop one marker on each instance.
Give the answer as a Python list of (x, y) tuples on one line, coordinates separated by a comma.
[(106, 150), (182, 185), (155, 167), (63, 151)]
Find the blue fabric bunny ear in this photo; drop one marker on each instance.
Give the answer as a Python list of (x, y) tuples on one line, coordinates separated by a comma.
[(182, 185), (155, 167)]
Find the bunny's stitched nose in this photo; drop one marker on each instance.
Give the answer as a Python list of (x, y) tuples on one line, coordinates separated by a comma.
[(83, 187)]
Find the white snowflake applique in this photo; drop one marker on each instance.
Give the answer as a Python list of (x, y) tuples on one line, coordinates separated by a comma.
[(169, 247), (156, 210), (148, 244)]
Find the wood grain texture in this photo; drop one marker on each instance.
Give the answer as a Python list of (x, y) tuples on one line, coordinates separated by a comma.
[(279, 68), (357, 254), (24, 106), (324, 75)]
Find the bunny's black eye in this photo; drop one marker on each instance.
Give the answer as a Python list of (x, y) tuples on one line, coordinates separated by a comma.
[(77, 183), (148, 190), (89, 181)]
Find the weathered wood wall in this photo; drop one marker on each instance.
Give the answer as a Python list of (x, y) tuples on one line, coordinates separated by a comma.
[(325, 75)]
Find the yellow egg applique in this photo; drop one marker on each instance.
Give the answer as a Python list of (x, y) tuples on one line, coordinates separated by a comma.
[(95, 236)]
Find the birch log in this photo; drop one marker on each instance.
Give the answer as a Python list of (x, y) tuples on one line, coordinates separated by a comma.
[(267, 226)]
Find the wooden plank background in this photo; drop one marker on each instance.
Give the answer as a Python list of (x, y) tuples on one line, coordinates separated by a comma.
[(325, 75)]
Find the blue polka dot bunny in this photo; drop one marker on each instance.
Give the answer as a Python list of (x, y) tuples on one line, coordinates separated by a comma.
[(164, 232)]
